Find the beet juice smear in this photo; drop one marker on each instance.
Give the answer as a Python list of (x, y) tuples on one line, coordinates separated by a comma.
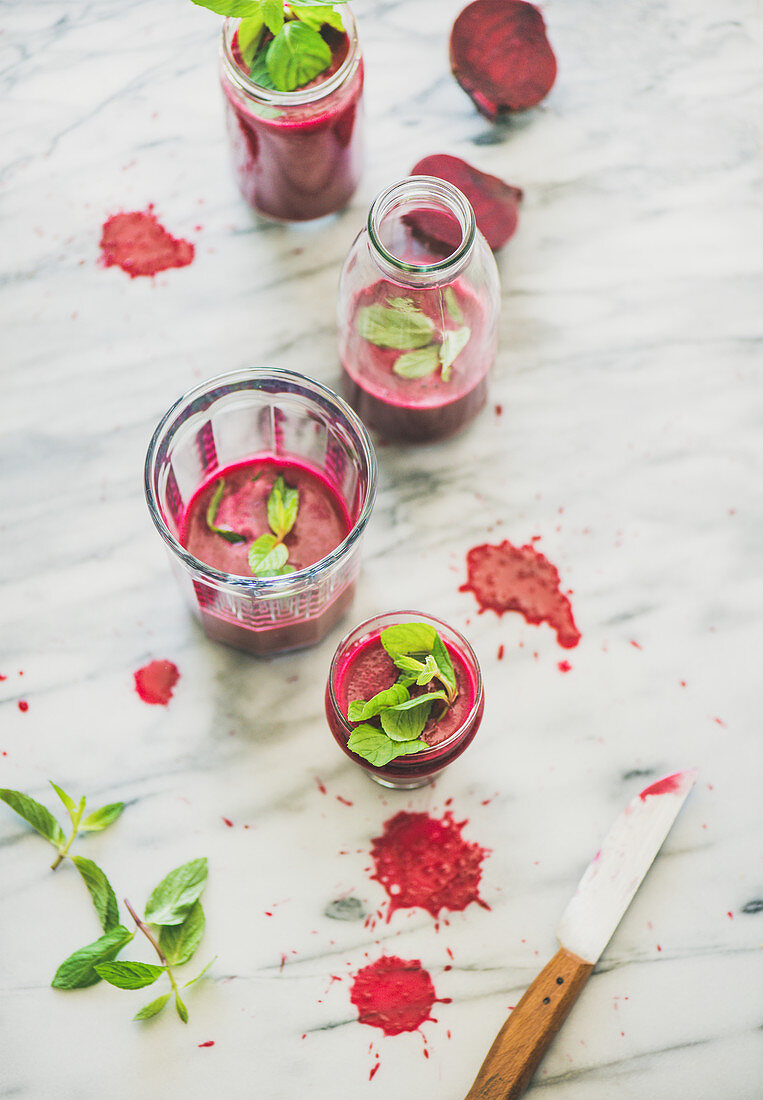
[(424, 862), (510, 578), (394, 994), (156, 681), (138, 244)]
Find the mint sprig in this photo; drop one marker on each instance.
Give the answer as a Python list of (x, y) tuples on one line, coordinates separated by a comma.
[(402, 326), (268, 556), (43, 821), (421, 655), (212, 508), (281, 44)]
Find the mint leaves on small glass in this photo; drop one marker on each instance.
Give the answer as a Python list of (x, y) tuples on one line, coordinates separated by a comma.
[(173, 908), (281, 44), (422, 658), (401, 325), (267, 554)]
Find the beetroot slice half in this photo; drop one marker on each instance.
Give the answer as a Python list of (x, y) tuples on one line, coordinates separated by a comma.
[(501, 57), (495, 203)]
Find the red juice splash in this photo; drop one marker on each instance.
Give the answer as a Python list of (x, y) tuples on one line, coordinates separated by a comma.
[(423, 862), (138, 244), (669, 785), (394, 994), (155, 681), (519, 578)]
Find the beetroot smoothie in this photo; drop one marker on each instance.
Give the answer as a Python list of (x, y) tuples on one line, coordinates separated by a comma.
[(322, 524), (297, 155), (322, 520), (362, 667), (418, 408)]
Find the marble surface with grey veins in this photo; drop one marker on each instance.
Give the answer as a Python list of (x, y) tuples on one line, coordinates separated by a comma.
[(628, 441)]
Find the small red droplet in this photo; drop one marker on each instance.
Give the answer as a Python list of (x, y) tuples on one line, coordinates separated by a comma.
[(564, 666), (228, 822), (23, 706), (635, 644), (500, 652), (209, 1043), (155, 681)]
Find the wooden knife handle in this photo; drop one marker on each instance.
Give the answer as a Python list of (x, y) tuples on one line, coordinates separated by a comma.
[(525, 1037)]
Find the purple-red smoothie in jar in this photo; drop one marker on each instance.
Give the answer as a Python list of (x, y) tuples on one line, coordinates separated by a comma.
[(297, 155), (362, 667), (436, 405), (419, 300)]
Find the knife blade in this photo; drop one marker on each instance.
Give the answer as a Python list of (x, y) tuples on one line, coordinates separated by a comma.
[(603, 894)]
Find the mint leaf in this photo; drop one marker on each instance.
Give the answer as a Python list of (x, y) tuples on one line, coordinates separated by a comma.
[(406, 725), (283, 503), (267, 556), (100, 819), (405, 638), (182, 1011), (65, 798), (315, 15), (212, 507), (104, 898), (373, 745), (445, 666), (418, 364), (453, 343), (35, 814), (410, 665), (234, 9), (272, 13), (77, 972), (296, 56), (259, 72), (172, 900), (249, 37), (452, 306), (129, 975), (408, 748), (153, 1007), (201, 972), (430, 670), (403, 328), (179, 941), (361, 710)]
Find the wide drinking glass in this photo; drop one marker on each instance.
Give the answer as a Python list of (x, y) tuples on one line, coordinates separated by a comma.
[(355, 667), (296, 155), (419, 300), (267, 414)]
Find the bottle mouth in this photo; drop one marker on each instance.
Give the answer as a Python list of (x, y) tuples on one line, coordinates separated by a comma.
[(271, 381), (398, 224), (272, 97), (372, 627)]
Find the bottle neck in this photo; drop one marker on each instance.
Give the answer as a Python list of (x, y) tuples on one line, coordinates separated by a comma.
[(421, 231)]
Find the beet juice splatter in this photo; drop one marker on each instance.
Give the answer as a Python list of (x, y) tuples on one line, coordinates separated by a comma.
[(519, 578), (138, 244), (424, 862), (669, 785), (394, 994), (155, 682)]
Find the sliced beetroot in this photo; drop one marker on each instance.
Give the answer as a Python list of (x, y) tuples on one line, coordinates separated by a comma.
[(495, 203), (500, 55)]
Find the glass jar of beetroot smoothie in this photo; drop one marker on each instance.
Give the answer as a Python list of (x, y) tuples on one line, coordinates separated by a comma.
[(419, 300), (297, 155), (365, 665), (261, 483)]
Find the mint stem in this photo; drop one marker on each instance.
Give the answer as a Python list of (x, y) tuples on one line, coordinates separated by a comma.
[(63, 852), (149, 937)]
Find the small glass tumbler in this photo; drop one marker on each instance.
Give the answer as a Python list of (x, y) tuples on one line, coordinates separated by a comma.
[(297, 155), (360, 668), (419, 301), (271, 414)]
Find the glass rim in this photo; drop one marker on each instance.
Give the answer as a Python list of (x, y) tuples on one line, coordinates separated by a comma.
[(414, 616), (300, 579), (300, 96), (421, 187)]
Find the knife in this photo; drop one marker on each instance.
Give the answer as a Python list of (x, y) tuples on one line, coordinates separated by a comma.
[(604, 893)]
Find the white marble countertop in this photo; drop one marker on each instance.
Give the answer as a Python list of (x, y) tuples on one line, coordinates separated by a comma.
[(629, 441)]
